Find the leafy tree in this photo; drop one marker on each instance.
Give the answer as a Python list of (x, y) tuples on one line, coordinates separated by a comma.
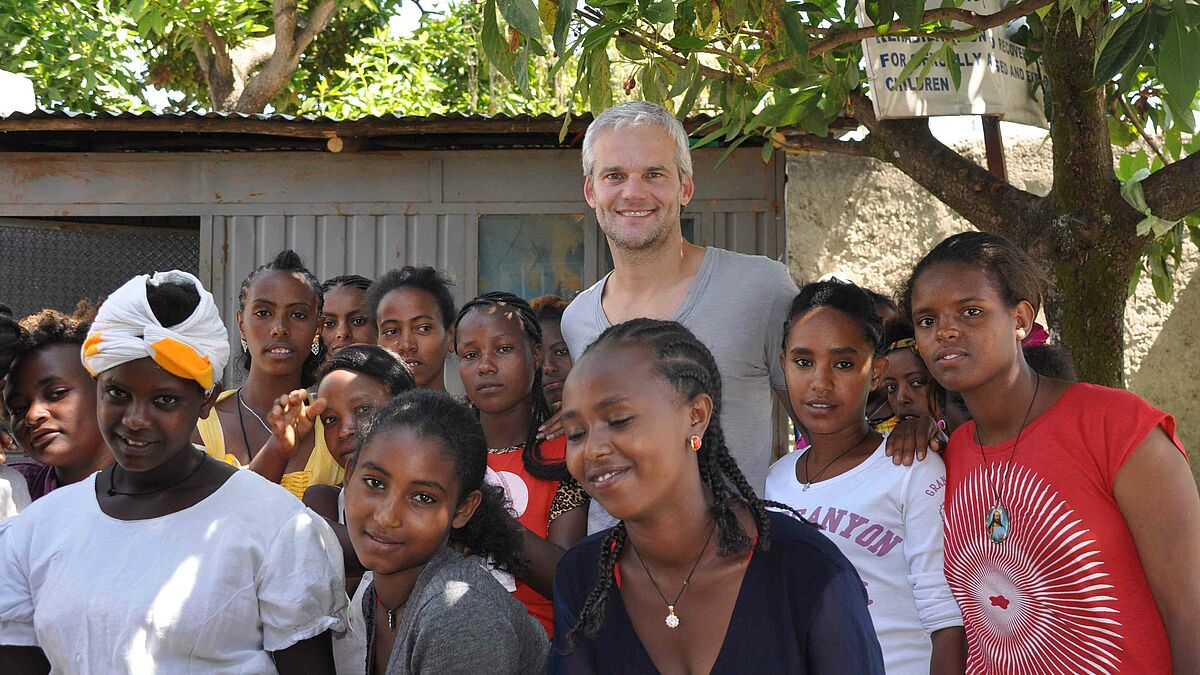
[(229, 55), (1115, 72), (437, 69), (76, 54)]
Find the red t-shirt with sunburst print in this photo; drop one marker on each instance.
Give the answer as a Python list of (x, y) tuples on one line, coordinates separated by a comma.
[(1064, 590)]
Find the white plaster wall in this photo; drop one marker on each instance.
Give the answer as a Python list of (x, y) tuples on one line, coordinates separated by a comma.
[(866, 219)]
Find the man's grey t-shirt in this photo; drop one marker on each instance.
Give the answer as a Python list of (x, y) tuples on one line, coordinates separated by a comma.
[(736, 305)]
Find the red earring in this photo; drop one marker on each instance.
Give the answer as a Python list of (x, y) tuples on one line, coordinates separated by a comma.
[(695, 442)]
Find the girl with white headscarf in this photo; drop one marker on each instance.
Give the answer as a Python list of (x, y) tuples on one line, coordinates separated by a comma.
[(157, 564)]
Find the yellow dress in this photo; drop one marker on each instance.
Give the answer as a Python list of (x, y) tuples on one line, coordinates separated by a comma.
[(320, 469)]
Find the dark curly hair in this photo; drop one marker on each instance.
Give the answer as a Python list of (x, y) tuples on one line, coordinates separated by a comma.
[(848, 299), (52, 327), (373, 361), (1013, 273), (683, 361), (549, 307), (492, 531), (531, 454), (288, 260), (47, 328), (422, 278)]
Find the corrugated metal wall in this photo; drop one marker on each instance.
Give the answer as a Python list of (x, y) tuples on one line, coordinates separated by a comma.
[(368, 212), (331, 245)]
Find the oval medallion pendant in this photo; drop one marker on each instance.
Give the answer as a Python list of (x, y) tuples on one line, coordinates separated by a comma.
[(997, 523)]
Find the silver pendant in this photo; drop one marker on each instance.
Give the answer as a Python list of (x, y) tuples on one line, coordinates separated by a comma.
[(998, 523), (672, 620), (391, 619), (806, 486)]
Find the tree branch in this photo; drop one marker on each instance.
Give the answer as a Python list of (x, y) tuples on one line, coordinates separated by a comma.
[(733, 58), (1173, 191), (802, 144), (989, 203), (1141, 130), (220, 49), (293, 35), (977, 22), (647, 43)]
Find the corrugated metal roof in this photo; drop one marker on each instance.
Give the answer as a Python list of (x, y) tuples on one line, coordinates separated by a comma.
[(60, 130), (67, 131), (43, 114)]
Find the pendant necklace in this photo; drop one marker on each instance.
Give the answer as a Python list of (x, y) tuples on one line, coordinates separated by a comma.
[(672, 620), (242, 422), (390, 612), (998, 520), (811, 478)]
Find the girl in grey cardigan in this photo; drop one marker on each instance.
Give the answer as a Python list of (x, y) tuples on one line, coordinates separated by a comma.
[(422, 519)]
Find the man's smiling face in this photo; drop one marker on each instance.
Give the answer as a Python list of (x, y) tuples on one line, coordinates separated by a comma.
[(636, 187)]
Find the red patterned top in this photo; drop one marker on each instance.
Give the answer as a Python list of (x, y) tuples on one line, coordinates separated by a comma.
[(1065, 592), (535, 503)]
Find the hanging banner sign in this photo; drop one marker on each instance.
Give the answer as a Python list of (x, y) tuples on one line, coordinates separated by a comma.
[(993, 76)]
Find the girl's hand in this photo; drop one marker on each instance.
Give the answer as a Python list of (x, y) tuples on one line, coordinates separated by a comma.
[(7, 444), (292, 419), (912, 438), (552, 427)]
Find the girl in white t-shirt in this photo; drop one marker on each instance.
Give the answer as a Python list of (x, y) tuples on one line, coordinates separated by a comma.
[(885, 518), (169, 561)]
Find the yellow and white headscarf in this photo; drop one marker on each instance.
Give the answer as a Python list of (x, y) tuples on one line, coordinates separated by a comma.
[(125, 329)]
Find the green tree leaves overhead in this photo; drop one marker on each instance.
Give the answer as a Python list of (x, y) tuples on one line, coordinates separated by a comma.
[(436, 70), (76, 54)]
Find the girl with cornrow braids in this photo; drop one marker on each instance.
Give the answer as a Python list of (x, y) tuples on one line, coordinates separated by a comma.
[(344, 320), (268, 424), (498, 341), (697, 576)]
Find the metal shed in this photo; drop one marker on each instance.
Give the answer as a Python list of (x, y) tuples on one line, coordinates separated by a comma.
[(496, 202)]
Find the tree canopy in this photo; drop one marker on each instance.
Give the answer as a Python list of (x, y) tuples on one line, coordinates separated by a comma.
[(1122, 73)]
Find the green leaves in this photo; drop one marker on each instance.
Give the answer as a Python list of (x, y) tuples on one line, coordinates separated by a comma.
[(797, 36), (523, 16), (495, 46), (661, 11), (562, 25), (1179, 62), (1126, 44)]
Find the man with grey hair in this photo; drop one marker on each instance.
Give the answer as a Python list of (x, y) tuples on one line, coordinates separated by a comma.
[(638, 177)]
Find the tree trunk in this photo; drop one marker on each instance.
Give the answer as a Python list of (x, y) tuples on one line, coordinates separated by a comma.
[(1086, 306), (1091, 244)]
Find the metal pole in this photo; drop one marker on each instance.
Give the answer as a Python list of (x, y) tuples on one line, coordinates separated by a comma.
[(993, 143)]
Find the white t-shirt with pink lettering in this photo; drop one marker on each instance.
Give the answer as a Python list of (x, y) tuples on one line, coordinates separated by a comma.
[(887, 520)]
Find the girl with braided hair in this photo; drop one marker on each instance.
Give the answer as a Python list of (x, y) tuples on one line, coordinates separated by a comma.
[(499, 344), (885, 518), (279, 307), (344, 320), (697, 576)]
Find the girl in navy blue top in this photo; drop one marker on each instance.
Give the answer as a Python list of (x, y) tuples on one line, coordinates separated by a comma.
[(697, 577)]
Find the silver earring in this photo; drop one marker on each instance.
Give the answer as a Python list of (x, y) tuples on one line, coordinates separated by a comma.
[(245, 346), (316, 348)]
